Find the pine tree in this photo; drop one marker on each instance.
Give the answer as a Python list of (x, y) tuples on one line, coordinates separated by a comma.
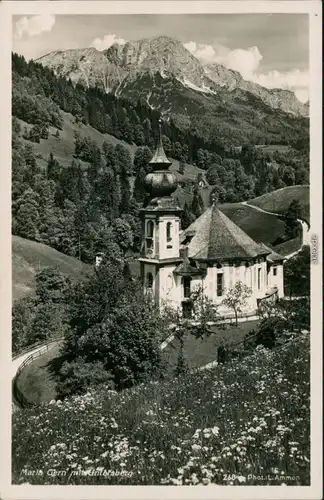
[(186, 217), (142, 158), (53, 168), (109, 153), (197, 204), (292, 225), (26, 221)]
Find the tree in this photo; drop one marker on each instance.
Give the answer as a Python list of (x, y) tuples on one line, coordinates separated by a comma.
[(26, 221), (247, 157), (181, 167), (23, 311), (50, 321), (292, 215), (123, 234), (141, 167), (51, 285), (237, 297), (212, 175), (297, 274), (186, 217), (204, 312), (53, 168), (197, 204), (141, 158), (301, 175), (116, 330), (218, 195), (123, 160), (288, 175)]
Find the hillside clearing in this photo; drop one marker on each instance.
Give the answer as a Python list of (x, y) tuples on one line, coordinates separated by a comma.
[(278, 201), (63, 147), (245, 416), (28, 257)]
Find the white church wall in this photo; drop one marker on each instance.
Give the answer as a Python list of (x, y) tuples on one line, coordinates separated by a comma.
[(275, 278), (169, 286), (233, 274)]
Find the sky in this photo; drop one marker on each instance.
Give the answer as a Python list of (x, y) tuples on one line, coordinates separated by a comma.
[(269, 49)]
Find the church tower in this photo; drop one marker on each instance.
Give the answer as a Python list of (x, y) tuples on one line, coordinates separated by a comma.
[(160, 252)]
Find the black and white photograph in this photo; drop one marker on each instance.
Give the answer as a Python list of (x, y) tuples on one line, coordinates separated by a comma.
[(165, 235)]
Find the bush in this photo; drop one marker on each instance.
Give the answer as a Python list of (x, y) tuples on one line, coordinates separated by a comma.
[(78, 375), (268, 333)]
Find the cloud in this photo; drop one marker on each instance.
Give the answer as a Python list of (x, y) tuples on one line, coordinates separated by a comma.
[(295, 80), (107, 41), (246, 62), (34, 25)]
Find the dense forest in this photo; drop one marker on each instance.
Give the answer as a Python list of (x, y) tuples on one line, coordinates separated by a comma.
[(81, 209)]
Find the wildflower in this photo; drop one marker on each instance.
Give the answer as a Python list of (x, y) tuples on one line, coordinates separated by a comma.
[(176, 482)]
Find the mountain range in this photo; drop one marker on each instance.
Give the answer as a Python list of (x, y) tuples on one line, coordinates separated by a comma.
[(167, 76)]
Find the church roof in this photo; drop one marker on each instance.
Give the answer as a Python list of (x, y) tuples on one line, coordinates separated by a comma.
[(216, 237), (273, 256), (186, 268)]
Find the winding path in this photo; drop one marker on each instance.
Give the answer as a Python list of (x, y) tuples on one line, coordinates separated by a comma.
[(304, 225), (17, 362)]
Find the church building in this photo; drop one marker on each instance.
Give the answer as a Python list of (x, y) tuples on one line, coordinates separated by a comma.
[(213, 253)]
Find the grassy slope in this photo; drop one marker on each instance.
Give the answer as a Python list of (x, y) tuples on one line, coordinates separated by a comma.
[(278, 201), (63, 148), (37, 380), (259, 226), (198, 352), (29, 256), (151, 432)]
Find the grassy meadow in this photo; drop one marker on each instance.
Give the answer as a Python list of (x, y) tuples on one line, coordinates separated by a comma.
[(223, 426), (29, 256), (259, 226), (63, 147), (278, 201), (200, 352)]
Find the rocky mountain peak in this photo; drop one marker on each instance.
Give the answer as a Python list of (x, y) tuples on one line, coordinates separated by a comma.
[(158, 54), (120, 66)]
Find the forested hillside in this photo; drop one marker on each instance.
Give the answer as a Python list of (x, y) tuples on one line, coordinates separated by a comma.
[(80, 156)]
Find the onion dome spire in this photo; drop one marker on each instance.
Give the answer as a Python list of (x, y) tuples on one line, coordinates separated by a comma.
[(159, 159), (160, 182)]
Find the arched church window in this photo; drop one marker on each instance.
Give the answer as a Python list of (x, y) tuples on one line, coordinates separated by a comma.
[(149, 281)]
